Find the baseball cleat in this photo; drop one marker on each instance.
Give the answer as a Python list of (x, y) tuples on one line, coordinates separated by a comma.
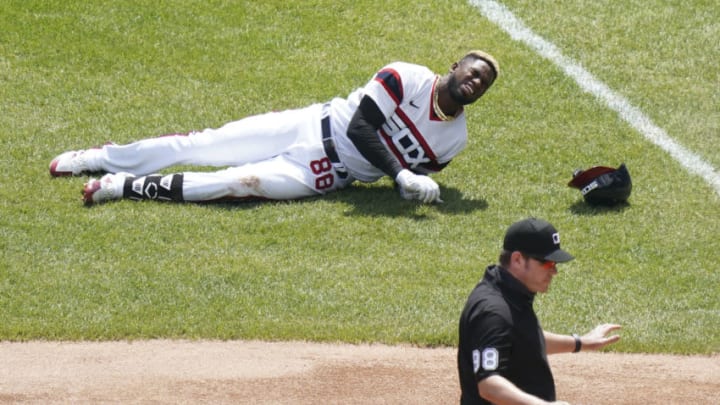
[(108, 187), (69, 164), (72, 163)]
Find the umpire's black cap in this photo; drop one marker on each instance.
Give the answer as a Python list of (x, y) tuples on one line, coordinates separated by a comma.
[(536, 238)]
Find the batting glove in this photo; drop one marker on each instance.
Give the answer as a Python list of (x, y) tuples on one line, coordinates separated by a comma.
[(413, 186)]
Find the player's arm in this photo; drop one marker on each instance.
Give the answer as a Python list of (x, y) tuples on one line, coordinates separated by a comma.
[(362, 131), (596, 339), (500, 391)]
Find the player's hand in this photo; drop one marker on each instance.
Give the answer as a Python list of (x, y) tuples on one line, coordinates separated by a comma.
[(414, 186)]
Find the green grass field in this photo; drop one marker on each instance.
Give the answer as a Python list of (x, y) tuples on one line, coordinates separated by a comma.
[(361, 265)]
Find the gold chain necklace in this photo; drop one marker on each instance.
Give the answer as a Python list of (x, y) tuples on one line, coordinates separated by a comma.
[(438, 111)]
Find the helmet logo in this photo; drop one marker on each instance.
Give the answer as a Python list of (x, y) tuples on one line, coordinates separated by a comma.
[(590, 187)]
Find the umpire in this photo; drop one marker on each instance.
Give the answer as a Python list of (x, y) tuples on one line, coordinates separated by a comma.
[(502, 350)]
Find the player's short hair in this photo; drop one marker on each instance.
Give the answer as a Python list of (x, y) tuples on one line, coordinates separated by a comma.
[(485, 57)]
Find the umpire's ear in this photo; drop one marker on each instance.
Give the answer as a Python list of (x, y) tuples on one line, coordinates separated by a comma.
[(517, 260)]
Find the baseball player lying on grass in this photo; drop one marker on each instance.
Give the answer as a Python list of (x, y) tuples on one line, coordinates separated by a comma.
[(407, 122)]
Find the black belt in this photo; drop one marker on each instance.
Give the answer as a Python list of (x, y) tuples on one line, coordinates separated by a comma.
[(329, 145)]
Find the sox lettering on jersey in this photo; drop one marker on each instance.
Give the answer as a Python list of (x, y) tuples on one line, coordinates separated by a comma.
[(408, 146), (406, 142)]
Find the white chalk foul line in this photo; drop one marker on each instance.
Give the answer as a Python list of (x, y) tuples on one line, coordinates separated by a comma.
[(506, 20)]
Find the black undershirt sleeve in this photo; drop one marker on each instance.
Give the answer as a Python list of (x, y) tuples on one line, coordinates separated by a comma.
[(362, 131)]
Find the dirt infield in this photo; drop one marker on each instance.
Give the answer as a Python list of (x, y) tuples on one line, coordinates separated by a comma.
[(162, 371)]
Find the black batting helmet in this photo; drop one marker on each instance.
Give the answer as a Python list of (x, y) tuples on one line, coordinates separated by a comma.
[(602, 185)]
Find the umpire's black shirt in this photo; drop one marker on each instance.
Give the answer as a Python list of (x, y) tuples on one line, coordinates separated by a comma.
[(500, 334)]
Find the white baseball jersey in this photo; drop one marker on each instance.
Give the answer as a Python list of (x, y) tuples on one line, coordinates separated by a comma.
[(417, 137)]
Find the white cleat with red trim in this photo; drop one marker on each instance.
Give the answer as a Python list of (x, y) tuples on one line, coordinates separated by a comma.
[(71, 163), (74, 162), (108, 187)]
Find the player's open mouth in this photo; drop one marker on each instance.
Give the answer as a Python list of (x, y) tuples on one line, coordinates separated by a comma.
[(468, 89)]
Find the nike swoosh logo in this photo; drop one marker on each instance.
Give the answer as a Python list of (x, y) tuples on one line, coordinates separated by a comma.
[(412, 103)]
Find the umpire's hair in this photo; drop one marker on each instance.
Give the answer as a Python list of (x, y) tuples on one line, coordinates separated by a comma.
[(504, 258), (487, 58)]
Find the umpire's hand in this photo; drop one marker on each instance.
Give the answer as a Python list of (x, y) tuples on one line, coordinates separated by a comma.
[(598, 338)]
